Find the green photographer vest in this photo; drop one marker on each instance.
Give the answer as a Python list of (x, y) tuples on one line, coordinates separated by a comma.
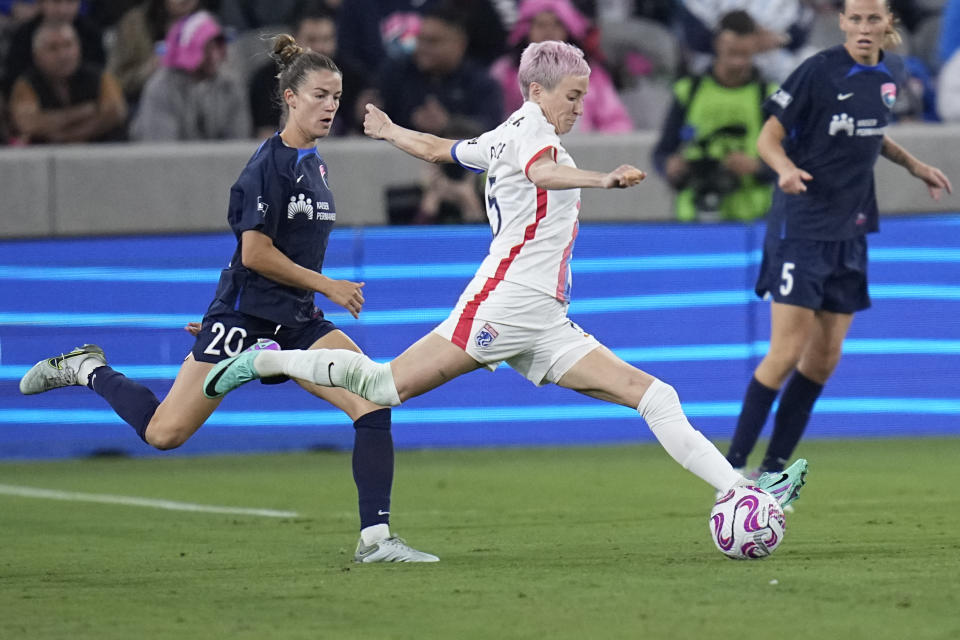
[(711, 109)]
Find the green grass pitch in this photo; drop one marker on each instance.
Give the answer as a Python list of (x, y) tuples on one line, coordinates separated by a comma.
[(605, 542)]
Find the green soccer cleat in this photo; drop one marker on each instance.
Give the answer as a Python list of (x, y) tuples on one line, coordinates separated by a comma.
[(785, 485), (229, 374), (59, 371), (392, 549)]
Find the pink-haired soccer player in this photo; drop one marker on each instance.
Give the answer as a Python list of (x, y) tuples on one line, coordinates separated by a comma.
[(515, 308)]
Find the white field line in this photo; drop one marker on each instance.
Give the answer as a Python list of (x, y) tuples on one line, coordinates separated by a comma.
[(74, 496)]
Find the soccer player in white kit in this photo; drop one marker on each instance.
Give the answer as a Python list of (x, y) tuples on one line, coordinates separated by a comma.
[(515, 308)]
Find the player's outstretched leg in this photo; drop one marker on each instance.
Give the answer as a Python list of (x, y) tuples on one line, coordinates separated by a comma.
[(785, 485), (63, 370), (343, 368), (392, 549)]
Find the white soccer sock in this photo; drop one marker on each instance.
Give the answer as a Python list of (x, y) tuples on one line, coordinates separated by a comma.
[(374, 533), (294, 363), (350, 370), (85, 368), (660, 407)]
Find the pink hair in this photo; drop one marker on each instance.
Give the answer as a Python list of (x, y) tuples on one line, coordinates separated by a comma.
[(547, 63)]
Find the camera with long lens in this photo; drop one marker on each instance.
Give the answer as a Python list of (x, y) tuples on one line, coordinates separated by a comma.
[(708, 178), (710, 181)]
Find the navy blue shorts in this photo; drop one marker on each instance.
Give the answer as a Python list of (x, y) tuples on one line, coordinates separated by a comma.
[(227, 333), (815, 274)]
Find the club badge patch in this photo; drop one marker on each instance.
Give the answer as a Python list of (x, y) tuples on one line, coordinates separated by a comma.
[(888, 91), (485, 336)]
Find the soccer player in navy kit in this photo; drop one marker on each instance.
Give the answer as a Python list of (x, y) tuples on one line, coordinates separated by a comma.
[(282, 211), (825, 130)]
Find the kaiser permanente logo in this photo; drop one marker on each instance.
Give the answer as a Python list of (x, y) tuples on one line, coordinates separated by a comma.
[(848, 125), (301, 204)]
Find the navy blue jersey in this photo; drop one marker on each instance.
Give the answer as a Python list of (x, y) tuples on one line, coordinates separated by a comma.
[(834, 111), (283, 194)]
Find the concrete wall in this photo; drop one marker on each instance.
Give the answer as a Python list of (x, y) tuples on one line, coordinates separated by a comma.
[(159, 188)]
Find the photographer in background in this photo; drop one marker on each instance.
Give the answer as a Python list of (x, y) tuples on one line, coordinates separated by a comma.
[(708, 144)]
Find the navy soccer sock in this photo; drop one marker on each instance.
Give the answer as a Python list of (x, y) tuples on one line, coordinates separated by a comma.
[(373, 466), (753, 415), (131, 400), (793, 414)]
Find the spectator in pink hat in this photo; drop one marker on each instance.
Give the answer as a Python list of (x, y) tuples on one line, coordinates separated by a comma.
[(139, 35), (541, 20), (190, 97)]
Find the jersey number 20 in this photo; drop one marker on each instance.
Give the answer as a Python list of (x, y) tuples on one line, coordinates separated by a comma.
[(232, 340)]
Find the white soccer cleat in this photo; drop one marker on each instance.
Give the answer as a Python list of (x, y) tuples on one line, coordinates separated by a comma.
[(392, 549), (59, 371)]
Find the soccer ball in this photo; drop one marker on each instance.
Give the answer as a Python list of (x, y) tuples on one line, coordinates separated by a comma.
[(263, 344), (747, 523)]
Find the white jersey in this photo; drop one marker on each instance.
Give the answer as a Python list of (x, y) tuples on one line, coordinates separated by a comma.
[(533, 229)]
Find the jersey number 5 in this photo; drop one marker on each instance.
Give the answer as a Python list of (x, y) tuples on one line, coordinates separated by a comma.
[(492, 204), (787, 277)]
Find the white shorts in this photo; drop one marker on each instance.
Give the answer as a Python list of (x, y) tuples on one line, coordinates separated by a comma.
[(527, 329)]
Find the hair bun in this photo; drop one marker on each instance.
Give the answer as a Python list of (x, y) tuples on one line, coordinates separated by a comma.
[(285, 50)]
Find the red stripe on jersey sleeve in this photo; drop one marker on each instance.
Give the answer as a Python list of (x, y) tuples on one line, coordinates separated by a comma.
[(537, 155)]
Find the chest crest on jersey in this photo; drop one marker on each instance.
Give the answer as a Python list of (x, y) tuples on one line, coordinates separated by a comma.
[(888, 91), (323, 175)]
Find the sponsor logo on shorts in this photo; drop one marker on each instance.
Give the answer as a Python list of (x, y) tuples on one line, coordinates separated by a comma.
[(485, 336)]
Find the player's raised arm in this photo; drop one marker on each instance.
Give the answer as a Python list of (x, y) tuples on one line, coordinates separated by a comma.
[(547, 174), (379, 126)]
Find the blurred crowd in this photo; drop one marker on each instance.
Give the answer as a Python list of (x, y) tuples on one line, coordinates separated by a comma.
[(112, 70)]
